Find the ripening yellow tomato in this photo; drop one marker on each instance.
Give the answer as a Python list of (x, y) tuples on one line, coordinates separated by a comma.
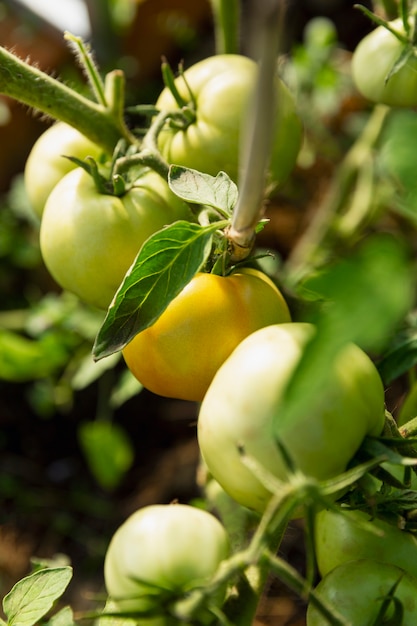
[(180, 353)]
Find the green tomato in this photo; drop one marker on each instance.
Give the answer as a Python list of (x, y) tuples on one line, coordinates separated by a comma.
[(372, 62), (177, 357), (162, 552), (89, 240), (46, 163), (357, 590), (242, 407), (339, 539), (222, 87)]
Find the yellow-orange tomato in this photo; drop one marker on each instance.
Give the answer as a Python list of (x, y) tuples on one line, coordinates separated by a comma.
[(179, 354)]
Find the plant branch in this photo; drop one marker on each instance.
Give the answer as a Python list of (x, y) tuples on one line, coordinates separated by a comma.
[(149, 154), (256, 145), (226, 16), (290, 577), (38, 90)]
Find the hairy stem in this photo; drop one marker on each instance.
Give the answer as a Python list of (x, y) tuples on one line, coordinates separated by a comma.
[(38, 90)]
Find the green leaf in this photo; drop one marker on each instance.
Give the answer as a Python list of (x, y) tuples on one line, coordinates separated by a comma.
[(125, 388), (396, 160), (108, 450), (365, 297), (89, 370), (32, 597), (64, 617), (366, 294), (166, 263), (390, 615), (25, 359), (219, 192), (400, 358), (407, 53)]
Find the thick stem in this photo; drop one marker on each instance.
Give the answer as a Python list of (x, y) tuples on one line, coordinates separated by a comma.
[(38, 90), (256, 145), (226, 15), (409, 429)]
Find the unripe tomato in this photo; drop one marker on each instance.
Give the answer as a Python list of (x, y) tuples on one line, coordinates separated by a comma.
[(357, 589), (162, 552), (88, 240), (46, 163), (373, 60), (242, 408), (179, 354), (338, 539), (222, 86)]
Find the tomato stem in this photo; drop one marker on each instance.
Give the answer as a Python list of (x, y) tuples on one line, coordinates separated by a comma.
[(256, 145), (83, 54), (226, 17), (149, 154), (297, 583), (381, 22), (31, 86)]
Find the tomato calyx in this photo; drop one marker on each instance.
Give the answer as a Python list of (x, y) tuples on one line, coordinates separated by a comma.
[(407, 37), (387, 492), (188, 107)]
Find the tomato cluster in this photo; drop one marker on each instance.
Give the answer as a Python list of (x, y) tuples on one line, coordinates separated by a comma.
[(89, 239), (227, 341)]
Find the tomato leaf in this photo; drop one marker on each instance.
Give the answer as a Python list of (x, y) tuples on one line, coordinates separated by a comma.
[(386, 616), (406, 54), (166, 263), (365, 296), (218, 191), (64, 617), (33, 596), (108, 451), (400, 358), (396, 162)]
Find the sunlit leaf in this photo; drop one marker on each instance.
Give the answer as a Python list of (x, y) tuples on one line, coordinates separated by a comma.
[(32, 597), (218, 191), (167, 261), (64, 617)]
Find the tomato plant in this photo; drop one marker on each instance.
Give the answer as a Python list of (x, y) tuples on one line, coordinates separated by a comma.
[(358, 590), (375, 71), (160, 553), (88, 239), (292, 412), (46, 163), (217, 92), (242, 408), (180, 353), (339, 539)]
